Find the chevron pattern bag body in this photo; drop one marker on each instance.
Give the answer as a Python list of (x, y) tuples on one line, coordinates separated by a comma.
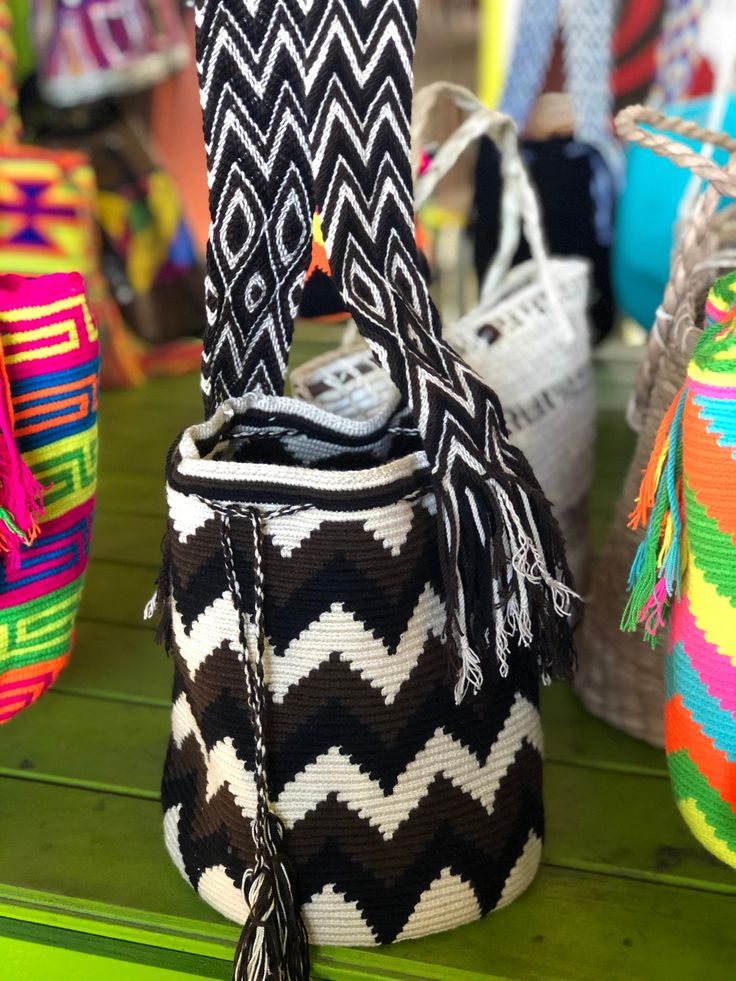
[(333, 591)]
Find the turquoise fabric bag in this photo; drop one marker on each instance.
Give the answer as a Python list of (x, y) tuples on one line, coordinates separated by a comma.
[(647, 214)]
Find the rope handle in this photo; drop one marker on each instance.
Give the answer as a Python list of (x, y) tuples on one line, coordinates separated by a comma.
[(696, 238), (721, 183), (519, 204), (629, 126)]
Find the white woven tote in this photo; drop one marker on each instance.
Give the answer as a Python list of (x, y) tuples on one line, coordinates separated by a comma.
[(528, 337)]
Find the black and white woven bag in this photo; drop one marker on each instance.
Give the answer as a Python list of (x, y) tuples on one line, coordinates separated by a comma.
[(334, 591)]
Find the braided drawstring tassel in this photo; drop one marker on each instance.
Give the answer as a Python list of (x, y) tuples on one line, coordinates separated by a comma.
[(273, 944)]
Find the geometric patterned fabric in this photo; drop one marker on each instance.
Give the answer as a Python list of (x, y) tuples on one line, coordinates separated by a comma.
[(686, 569), (51, 356), (405, 813)]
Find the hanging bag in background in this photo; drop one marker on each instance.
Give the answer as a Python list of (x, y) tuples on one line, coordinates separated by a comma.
[(337, 767), (48, 377), (618, 680), (683, 577), (567, 144), (149, 257), (657, 200), (89, 50), (528, 337), (47, 223)]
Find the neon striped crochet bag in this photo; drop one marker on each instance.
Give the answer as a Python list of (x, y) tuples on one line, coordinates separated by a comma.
[(48, 447), (685, 574)]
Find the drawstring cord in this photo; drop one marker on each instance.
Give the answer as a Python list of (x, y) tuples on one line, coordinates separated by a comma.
[(273, 945)]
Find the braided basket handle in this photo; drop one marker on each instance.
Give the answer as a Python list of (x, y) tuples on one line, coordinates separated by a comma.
[(629, 126), (519, 204), (689, 251)]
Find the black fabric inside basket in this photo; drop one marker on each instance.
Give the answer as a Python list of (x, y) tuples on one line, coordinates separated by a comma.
[(299, 442)]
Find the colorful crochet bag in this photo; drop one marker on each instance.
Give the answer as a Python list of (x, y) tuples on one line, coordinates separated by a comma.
[(149, 257), (48, 416), (96, 49), (683, 575), (617, 681), (335, 591)]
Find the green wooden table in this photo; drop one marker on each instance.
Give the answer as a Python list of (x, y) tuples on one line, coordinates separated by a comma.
[(88, 892)]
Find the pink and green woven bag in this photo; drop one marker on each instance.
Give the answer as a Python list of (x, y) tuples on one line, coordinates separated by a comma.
[(685, 574), (48, 449)]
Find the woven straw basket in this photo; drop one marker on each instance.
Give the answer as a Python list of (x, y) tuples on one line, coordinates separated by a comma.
[(619, 678)]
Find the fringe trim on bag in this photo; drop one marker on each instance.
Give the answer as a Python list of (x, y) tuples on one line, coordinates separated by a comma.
[(656, 572), (21, 495)]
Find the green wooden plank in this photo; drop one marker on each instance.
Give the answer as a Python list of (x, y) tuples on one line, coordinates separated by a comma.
[(36, 962), (90, 845), (118, 662), (120, 492), (87, 742), (589, 928), (120, 743), (128, 539), (138, 425), (117, 594), (35, 955), (607, 820), (571, 734), (569, 925), (624, 824)]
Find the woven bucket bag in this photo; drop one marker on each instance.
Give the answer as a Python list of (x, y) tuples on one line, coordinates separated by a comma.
[(618, 680), (528, 337), (339, 771), (683, 577)]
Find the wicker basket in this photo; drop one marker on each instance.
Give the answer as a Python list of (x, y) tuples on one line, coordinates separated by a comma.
[(619, 678)]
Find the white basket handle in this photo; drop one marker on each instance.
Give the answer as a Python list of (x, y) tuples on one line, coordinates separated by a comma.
[(519, 205)]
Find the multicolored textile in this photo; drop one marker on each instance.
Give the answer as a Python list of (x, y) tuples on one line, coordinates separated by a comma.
[(51, 356), (685, 571), (9, 121), (149, 255), (47, 224), (94, 49)]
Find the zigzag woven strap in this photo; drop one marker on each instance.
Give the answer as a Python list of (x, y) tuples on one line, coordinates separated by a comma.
[(501, 551), (250, 62)]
